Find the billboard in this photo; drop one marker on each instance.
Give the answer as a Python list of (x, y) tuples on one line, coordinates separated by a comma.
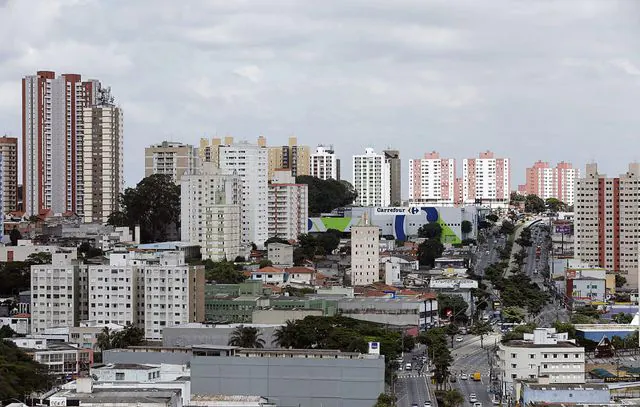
[(564, 228)]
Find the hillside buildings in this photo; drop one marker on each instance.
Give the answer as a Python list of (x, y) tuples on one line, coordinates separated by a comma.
[(292, 157), (606, 220), (371, 179), (432, 180), (53, 140), (486, 180), (288, 206), (170, 158), (365, 253), (210, 212), (324, 164), (9, 153), (551, 182)]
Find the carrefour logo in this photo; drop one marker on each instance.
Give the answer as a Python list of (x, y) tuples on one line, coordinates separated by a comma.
[(398, 210)]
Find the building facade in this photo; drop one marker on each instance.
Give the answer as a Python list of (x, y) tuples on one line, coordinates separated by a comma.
[(392, 157), (170, 158), (432, 179), (371, 179), (52, 136), (288, 211), (365, 254), (292, 157), (210, 212), (543, 353), (324, 164), (606, 221), (9, 153), (552, 182), (486, 180), (103, 166)]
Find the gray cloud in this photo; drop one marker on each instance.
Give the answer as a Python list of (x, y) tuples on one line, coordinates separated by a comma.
[(529, 80)]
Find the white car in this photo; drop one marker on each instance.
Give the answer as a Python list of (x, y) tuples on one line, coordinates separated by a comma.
[(427, 404), (464, 376), (477, 404), (459, 339), (473, 398)]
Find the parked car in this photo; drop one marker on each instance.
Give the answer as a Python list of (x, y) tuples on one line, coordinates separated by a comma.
[(459, 339), (427, 404), (464, 376), (473, 398)]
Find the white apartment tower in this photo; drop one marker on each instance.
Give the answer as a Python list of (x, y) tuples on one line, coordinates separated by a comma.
[(323, 163), (371, 179), (113, 292), (211, 212), (432, 180), (170, 158), (52, 141), (552, 182), (56, 292), (365, 254), (250, 162), (486, 180), (606, 221), (288, 206), (103, 165)]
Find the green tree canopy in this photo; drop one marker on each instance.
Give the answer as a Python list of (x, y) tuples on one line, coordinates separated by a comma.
[(385, 400), (620, 281), (429, 251), (466, 227), (154, 204), (534, 204), (555, 205), (454, 303), (513, 314), (246, 337), (14, 236), (223, 272), (492, 217), (19, 373), (327, 195), (431, 230)]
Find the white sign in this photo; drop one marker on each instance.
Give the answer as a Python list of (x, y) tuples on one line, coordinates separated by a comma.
[(58, 401), (412, 210)]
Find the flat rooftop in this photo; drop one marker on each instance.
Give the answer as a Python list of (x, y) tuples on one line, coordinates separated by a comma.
[(520, 343), (119, 395), (567, 386), (126, 366)]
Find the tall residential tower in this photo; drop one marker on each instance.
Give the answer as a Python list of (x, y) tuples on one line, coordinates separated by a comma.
[(486, 180), (432, 180), (371, 179)]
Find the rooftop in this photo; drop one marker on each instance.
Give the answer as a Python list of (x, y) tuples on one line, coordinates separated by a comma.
[(519, 343), (567, 386), (165, 245), (119, 395), (127, 366)]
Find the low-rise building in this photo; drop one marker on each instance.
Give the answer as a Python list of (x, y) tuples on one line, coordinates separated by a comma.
[(270, 275), (591, 394), (301, 275), (281, 316), (19, 323), (280, 254), (60, 358), (455, 286), (23, 250), (419, 312), (544, 353)]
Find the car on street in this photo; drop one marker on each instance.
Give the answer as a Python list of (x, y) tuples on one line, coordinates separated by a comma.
[(477, 404), (407, 366), (464, 376), (459, 339), (427, 404), (414, 405), (473, 398)]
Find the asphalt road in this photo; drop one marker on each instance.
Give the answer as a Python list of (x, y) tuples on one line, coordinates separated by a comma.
[(412, 385), (470, 358), (487, 253)]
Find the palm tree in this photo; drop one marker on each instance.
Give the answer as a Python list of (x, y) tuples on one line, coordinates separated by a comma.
[(246, 337), (103, 340), (286, 336), (453, 398)]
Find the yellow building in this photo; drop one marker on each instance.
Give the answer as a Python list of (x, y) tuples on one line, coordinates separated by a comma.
[(292, 157)]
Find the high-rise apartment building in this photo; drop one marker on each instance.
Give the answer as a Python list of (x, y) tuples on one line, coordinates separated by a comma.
[(324, 164), (52, 136), (552, 182), (250, 162), (170, 158), (432, 179), (486, 180), (288, 206), (9, 153), (392, 157), (365, 254), (606, 220), (293, 157), (103, 166), (371, 179), (210, 212)]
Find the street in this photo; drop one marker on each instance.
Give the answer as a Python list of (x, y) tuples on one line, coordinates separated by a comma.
[(411, 386)]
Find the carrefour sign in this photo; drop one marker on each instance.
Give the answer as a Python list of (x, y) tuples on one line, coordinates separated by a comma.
[(397, 210)]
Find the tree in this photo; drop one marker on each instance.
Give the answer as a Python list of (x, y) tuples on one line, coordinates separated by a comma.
[(481, 328), (385, 400), (431, 230), (507, 227), (154, 204), (620, 281), (492, 217), (103, 340), (452, 398), (452, 331), (6, 332), (466, 227), (516, 198), (88, 251), (622, 318), (513, 314), (275, 239), (130, 335), (329, 240), (14, 236), (265, 263), (20, 374), (326, 195), (534, 204), (429, 251), (286, 335), (246, 337), (222, 272), (555, 205), (453, 303), (565, 327), (39, 258)]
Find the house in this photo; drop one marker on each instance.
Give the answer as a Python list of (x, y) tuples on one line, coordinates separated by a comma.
[(301, 275), (271, 275)]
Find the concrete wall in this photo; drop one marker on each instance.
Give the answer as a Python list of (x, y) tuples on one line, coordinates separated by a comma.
[(206, 336), (292, 381), (282, 316), (572, 396), (149, 358)]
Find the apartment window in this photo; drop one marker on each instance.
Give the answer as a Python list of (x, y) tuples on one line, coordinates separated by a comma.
[(532, 356), (513, 366), (513, 356), (119, 376)]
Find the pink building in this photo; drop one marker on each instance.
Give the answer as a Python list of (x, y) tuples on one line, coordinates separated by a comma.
[(552, 182), (432, 179), (486, 179)]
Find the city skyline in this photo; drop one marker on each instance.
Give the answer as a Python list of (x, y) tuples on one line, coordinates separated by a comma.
[(479, 90)]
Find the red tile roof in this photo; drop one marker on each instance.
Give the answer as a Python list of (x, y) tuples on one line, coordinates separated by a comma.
[(300, 270), (270, 269)]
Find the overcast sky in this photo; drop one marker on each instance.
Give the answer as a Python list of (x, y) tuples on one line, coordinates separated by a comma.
[(553, 80)]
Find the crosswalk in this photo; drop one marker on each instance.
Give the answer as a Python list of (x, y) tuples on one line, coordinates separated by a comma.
[(414, 375)]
